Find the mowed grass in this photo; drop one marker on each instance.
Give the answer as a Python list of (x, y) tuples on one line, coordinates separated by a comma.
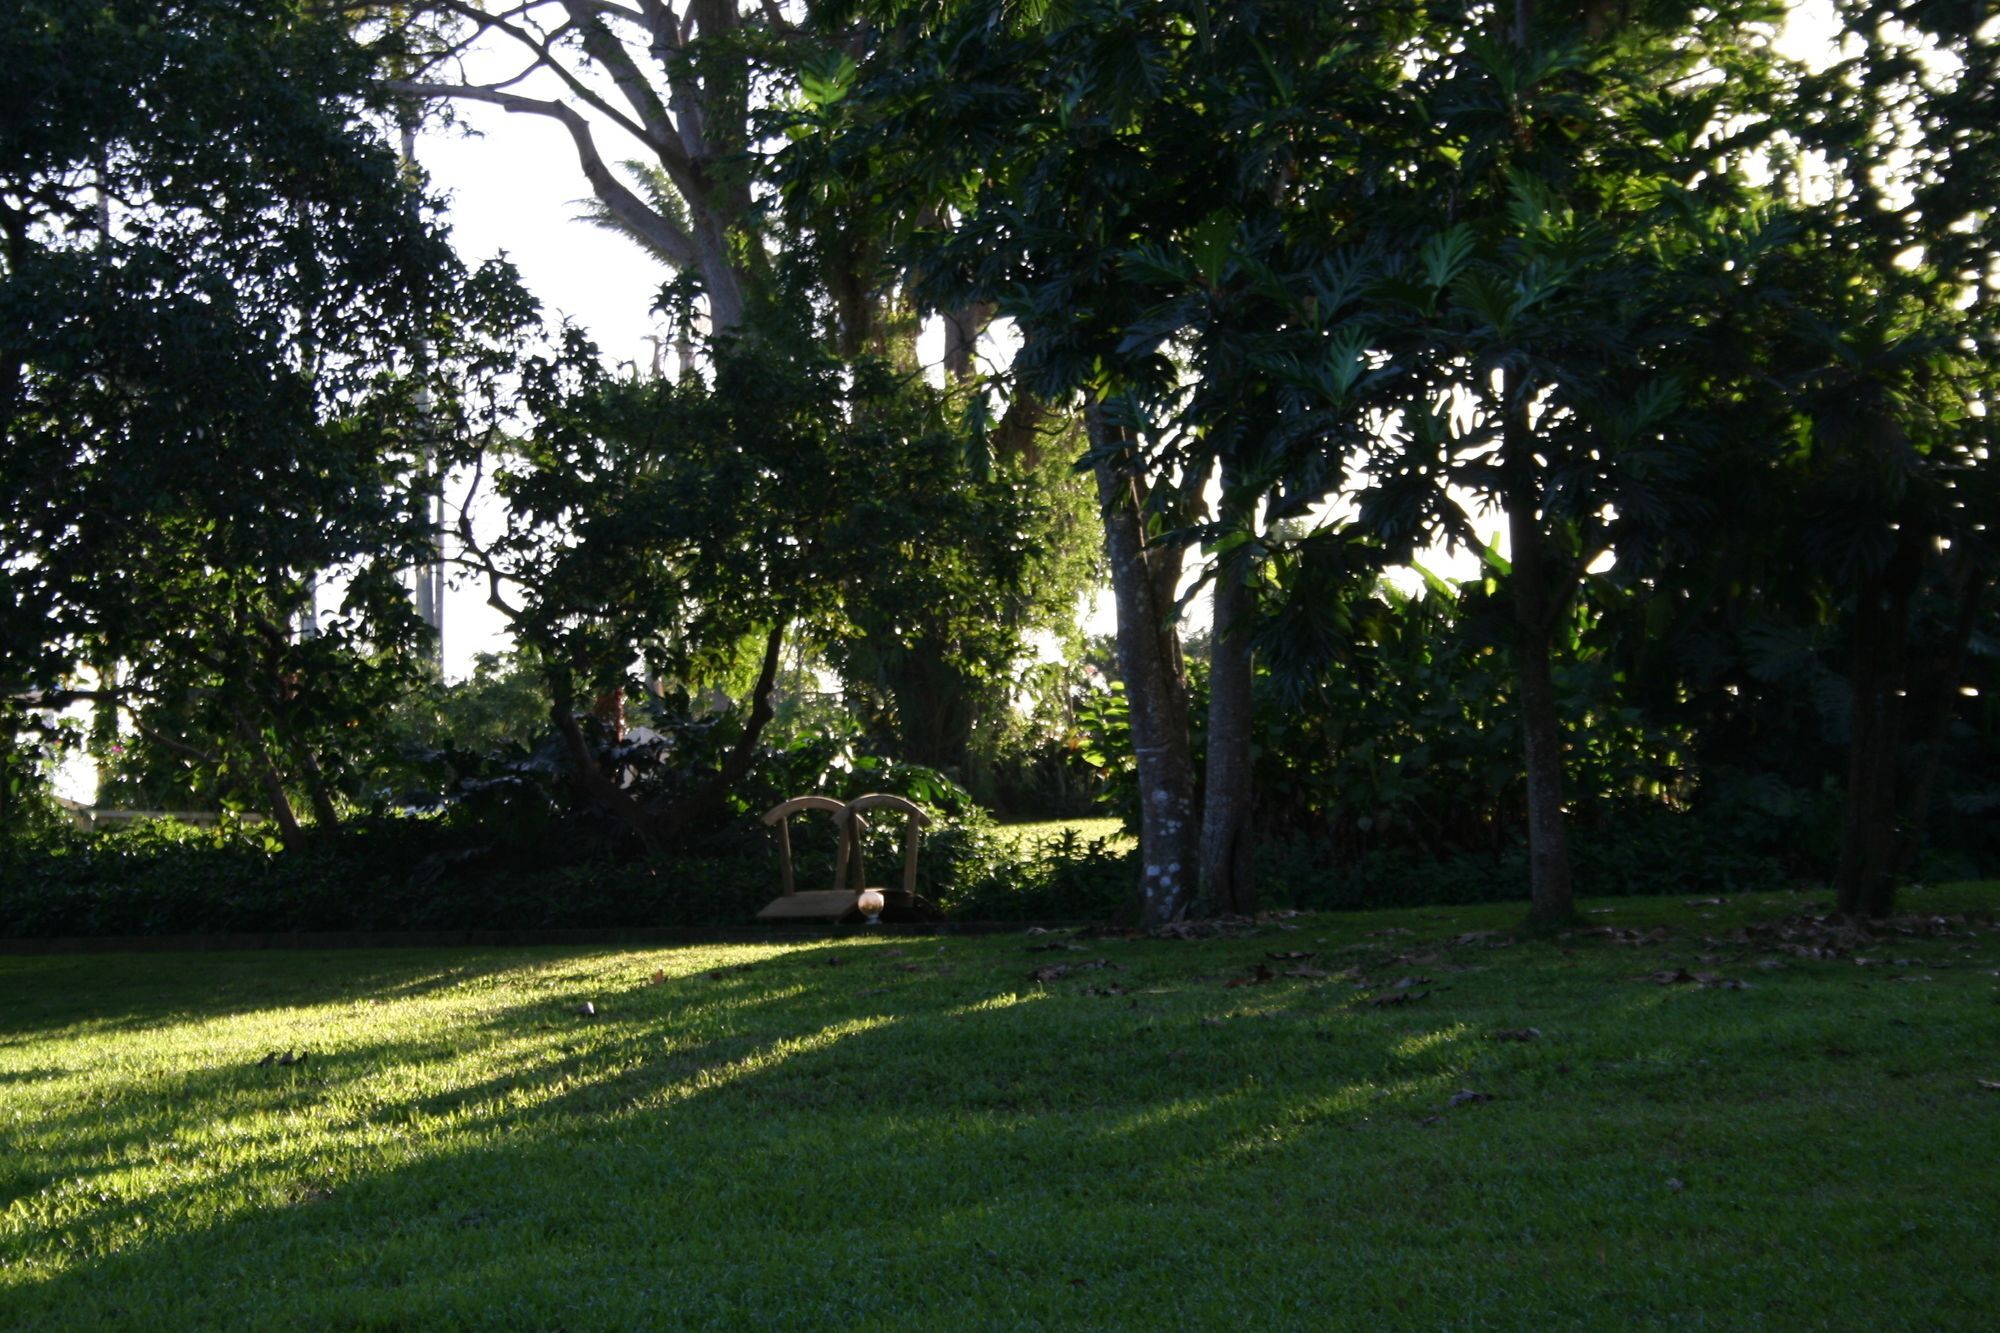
[(914, 1133)]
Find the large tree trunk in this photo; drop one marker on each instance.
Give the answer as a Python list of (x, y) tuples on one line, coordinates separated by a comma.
[(1155, 690), (934, 705), (1228, 797), (1864, 879), (1536, 606)]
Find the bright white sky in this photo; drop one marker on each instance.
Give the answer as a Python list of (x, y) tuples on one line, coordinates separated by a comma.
[(513, 190)]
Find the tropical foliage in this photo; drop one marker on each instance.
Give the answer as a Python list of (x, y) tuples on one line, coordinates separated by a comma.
[(1683, 348)]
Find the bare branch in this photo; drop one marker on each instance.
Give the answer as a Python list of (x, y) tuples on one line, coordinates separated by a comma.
[(483, 561), (541, 44), (775, 16), (624, 205), (607, 50), (616, 11), (166, 742)]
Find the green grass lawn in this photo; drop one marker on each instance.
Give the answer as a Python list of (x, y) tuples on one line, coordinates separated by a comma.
[(916, 1133), (1041, 833)]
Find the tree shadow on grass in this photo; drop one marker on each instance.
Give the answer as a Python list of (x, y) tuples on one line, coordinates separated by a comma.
[(877, 1144)]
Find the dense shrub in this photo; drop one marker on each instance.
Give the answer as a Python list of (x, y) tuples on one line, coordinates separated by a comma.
[(385, 875), (1645, 854)]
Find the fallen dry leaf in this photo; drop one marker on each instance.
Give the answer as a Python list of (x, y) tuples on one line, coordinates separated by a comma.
[(1287, 955), (1050, 972), (1399, 997), (1309, 973), (1627, 935), (1258, 976), (1467, 1097), (1393, 930), (1516, 1034)]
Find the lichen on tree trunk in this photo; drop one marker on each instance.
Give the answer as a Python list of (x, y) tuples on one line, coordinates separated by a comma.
[(1155, 689)]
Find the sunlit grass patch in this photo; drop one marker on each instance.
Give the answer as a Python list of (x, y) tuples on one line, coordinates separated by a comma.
[(1041, 834), (916, 1132)]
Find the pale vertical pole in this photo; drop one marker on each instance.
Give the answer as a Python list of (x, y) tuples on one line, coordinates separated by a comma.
[(428, 576)]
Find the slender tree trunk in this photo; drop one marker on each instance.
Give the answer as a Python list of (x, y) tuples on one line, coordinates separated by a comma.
[(1155, 690), (427, 577), (1864, 880), (1536, 607), (1941, 706), (326, 817), (708, 804), (266, 771), (104, 722), (962, 328), (1228, 880), (595, 782)]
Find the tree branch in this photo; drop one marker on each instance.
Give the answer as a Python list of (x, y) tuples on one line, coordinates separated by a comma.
[(699, 806), (484, 561), (627, 207), (596, 783), (541, 45), (607, 50)]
